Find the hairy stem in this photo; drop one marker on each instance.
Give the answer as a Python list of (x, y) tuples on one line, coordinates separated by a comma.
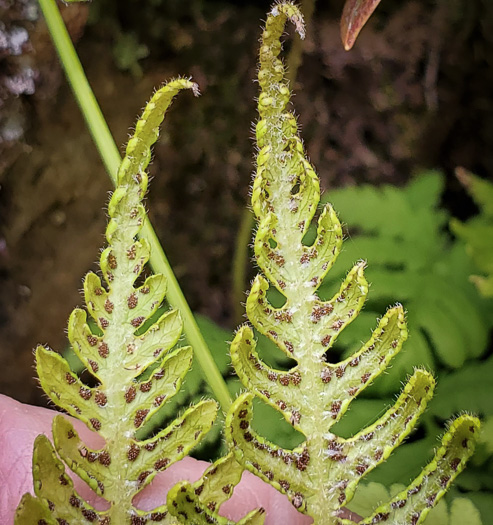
[(111, 159)]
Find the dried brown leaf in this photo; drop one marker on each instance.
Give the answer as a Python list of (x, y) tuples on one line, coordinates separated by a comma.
[(354, 16)]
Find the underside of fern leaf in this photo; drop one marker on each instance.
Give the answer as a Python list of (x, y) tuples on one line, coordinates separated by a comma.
[(321, 475), (117, 355), (199, 503)]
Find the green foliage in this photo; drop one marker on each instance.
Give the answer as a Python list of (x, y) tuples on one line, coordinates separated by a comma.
[(117, 355), (193, 389), (478, 231), (470, 389), (411, 259), (467, 389), (128, 51), (414, 259), (460, 511), (412, 251)]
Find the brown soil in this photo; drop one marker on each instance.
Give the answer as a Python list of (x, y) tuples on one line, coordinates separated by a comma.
[(413, 94)]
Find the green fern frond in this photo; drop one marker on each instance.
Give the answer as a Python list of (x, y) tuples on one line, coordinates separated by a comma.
[(320, 476), (478, 231), (410, 258), (122, 402), (459, 511), (415, 261), (198, 503), (469, 389)]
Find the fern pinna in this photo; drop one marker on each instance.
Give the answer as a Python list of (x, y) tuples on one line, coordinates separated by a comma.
[(478, 231), (117, 355), (321, 475)]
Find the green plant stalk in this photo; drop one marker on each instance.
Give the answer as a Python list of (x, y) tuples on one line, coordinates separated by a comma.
[(111, 159)]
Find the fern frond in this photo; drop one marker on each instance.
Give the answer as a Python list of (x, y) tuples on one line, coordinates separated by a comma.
[(116, 356), (198, 503), (412, 259), (478, 231), (456, 512), (321, 474)]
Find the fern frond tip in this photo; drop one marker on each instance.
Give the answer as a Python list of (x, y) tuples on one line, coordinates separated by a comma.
[(137, 154), (414, 503), (292, 12)]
